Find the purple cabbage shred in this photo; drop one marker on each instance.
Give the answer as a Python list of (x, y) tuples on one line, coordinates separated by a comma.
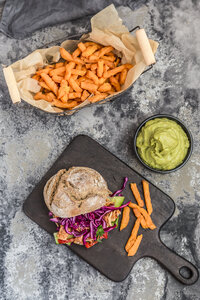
[(118, 192)]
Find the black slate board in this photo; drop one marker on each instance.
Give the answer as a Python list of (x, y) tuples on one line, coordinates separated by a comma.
[(109, 257)]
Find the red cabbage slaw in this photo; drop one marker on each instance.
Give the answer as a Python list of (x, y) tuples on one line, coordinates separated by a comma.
[(86, 225), (118, 192)]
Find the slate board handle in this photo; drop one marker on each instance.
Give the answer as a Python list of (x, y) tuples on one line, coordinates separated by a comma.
[(180, 268)]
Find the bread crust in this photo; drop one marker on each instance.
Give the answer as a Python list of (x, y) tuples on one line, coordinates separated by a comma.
[(74, 192)]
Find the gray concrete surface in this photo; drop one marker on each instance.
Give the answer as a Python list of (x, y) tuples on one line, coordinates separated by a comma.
[(31, 265)]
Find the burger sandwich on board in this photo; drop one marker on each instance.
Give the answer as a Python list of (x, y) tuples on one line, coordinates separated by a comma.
[(82, 206)]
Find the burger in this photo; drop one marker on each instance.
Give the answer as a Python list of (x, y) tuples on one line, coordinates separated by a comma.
[(82, 207)]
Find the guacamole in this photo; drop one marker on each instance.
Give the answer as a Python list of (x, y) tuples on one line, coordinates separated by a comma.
[(162, 144)]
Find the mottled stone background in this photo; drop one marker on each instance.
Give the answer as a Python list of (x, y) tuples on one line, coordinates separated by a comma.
[(31, 265)]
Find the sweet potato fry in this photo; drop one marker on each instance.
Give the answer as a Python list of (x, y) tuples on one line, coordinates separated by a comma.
[(58, 65), (133, 235), (123, 75), (44, 85), (92, 76), (105, 69), (46, 71), (64, 83), (101, 80), (50, 67), (74, 85), (128, 66), (142, 220), (74, 76), (51, 84), (85, 95), (93, 67), (147, 197), (115, 83), (82, 46), (77, 60), (132, 251), (39, 96), (88, 66), (136, 194), (68, 105), (47, 97), (87, 44), (80, 79), (105, 87), (80, 67), (51, 95), (64, 98), (76, 53), (125, 218), (97, 52), (78, 72), (57, 79), (97, 98), (87, 61), (89, 50), (91, 87), (111, 53), (93, 58), (100, 68), (117, 62), (113, 71), (108, 63), (109, 57), (74, 95), (116, 70), (137, 213), (97, 92), (59, 71), (65, 54), (36, 77), (63, 90), (68, 69), (89, 81), (146, 216), (105, 50), (112, 91), (117, 76)]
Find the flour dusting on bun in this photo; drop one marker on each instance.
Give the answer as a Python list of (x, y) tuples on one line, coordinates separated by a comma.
[(76, 191)]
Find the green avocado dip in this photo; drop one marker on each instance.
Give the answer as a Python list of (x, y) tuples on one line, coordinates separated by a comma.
[(162, 144)]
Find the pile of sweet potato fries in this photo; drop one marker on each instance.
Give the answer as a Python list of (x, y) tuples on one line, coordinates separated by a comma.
[(142, 217), (91, 72)]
